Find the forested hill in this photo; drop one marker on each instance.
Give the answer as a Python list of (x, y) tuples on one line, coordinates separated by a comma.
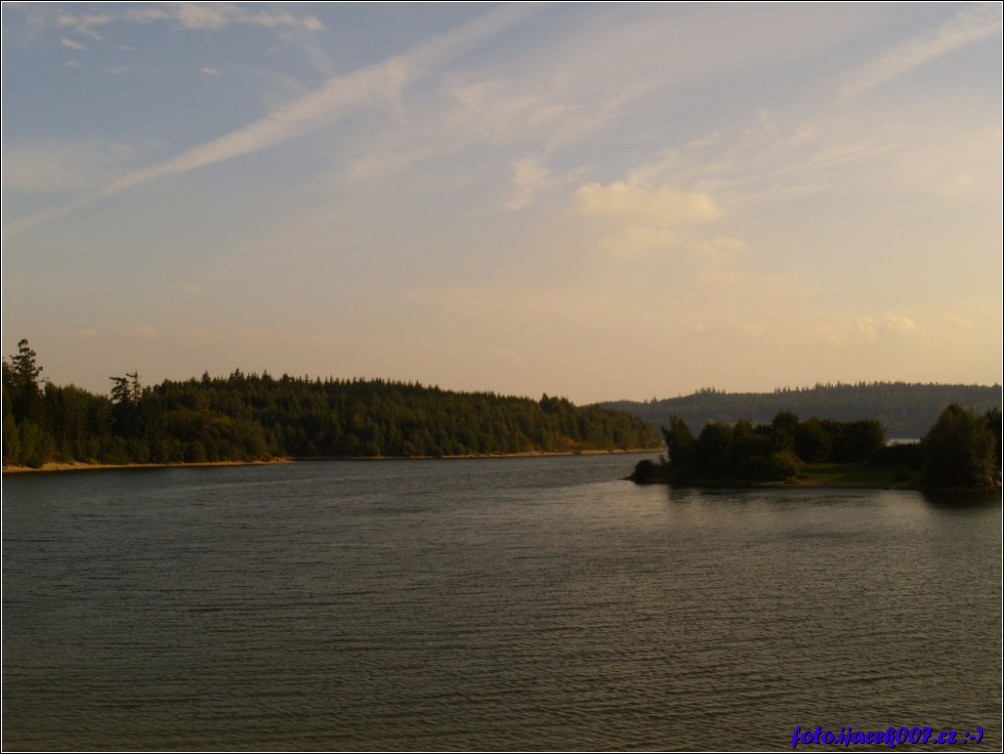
[(906, 410), (249, 417)]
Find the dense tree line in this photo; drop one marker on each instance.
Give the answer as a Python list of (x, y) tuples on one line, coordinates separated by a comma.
[(906, 410), (962, 449), (765, 452), (250, 416)]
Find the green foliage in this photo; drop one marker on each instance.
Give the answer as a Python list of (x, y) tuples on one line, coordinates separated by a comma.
[(960, 450), (21, 383), (11, 440), (812, 442), (679, 442), (747, 452), (647, 471), (777, 467), (36, 444), (249, 417), (994, 423)]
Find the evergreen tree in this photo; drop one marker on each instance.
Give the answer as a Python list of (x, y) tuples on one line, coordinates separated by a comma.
[(21, 379)]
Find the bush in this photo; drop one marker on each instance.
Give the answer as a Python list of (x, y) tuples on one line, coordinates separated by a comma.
[(647, 472), (778, 467)]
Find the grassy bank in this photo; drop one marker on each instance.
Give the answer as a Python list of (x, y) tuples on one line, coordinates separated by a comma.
[(834, 475), (856, 475)]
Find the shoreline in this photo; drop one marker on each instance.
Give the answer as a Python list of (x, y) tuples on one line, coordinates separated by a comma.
[(815, 484), (475, 456), (61, 467), (804, 484), (58, 467)]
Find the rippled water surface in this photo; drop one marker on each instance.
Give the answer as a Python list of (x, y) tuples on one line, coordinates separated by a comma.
[(486, 604)]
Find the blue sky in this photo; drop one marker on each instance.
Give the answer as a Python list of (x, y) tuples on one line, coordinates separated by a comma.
[(600, 201)]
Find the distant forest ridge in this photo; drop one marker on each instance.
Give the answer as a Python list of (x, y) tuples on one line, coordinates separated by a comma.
[(245, 417), (906, 410)]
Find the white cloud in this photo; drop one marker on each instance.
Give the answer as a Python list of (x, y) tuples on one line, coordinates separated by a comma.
[(868, 329), (85, 25), (970, 25), (662, 205), (899, 323), (271, 19), (529, 178), (638, 219), (73, 45), (187, 15), (209, 71)]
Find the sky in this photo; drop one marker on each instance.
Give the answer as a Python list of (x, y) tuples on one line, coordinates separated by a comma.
[(598, 201)]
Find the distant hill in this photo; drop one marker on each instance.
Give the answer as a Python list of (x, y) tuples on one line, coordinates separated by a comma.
[(906, 410)]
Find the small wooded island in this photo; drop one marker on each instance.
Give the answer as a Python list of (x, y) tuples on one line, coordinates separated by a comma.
[(961, 451)]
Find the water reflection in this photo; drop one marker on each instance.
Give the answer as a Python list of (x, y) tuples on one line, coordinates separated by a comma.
[(962, 501)]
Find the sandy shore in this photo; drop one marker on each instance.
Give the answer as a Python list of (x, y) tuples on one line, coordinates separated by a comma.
[(76, 466)]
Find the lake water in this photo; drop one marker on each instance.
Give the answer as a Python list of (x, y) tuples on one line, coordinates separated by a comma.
[(487, 604)]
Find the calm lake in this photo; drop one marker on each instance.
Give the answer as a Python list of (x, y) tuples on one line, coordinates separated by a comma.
[(487, 604)]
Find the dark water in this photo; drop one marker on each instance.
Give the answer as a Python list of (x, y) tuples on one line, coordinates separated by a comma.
[(497, 604)]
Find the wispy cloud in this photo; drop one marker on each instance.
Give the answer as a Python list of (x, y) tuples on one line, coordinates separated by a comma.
[(660, 205), (45, 165), (838, 144), (72, 44), (970, 25), (187, 16), (529, 178), (868, 329), (371, 86), (123, 70), (639, 219)]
